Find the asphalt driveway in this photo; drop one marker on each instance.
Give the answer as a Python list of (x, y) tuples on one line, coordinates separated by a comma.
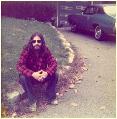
[(96, 95)]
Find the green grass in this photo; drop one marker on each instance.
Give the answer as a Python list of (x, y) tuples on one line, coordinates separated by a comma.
[(16, 33)]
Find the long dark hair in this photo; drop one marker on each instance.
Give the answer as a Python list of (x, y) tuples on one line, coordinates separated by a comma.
[(30, 46)]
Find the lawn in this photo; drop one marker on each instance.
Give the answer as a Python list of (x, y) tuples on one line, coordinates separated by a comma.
[(15, 34)]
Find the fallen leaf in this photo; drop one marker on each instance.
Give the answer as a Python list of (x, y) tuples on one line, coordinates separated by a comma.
[(81, 77), (67, 67), (84, 68), (61, 94), (66, 90), (74, 104), (76, 78), (78, 82), (71, 86), (14, 114), (57, 94), (85, 57), (99, 76), (84, 64), (75, 90), (102, 108)]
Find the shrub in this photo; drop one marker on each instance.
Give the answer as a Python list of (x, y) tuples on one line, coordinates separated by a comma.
[(41, 11)]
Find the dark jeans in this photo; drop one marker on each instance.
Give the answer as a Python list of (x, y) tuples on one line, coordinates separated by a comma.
[(28, 83)]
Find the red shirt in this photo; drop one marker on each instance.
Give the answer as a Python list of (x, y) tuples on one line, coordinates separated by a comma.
[(32, 61)]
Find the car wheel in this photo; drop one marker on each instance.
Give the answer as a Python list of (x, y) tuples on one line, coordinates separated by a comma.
[(73, 28), (98, 33)]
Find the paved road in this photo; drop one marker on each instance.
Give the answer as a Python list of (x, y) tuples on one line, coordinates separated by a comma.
[(97, 92)]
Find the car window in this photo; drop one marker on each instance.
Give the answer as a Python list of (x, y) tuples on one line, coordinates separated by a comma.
[(95, 10), (89, 10), (100, 11)]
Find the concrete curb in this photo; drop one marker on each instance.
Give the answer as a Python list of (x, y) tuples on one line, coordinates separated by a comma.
[(66, 45)]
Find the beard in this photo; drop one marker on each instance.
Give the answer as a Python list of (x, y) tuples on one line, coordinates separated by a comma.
[(37, 47)]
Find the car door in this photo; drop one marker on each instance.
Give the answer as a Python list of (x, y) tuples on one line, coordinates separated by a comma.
[(88, 14)]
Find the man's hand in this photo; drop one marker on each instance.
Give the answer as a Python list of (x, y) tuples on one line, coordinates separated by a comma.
[(36, 75), (40, 75), (43, 74)]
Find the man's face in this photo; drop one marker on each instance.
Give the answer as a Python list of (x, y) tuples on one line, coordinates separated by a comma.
[(36, 42)]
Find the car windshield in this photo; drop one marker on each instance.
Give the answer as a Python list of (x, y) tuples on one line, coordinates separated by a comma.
[(110, 10)]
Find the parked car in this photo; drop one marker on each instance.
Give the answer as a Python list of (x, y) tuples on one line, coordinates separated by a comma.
[(99, 19)]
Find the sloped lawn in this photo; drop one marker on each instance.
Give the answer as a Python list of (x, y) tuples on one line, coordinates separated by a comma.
[(16, 33)]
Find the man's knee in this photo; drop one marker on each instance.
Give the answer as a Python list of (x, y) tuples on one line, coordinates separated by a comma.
[(54, 77)]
